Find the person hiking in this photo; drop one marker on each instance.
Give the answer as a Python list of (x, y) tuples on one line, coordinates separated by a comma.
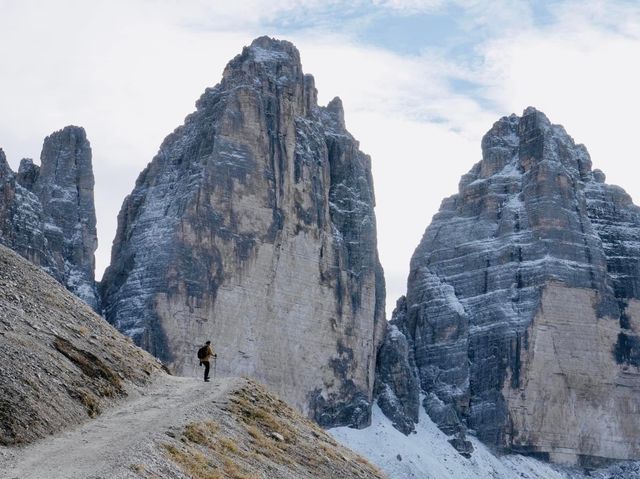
[(205, 353)]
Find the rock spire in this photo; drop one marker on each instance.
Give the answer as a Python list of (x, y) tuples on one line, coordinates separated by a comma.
[(47, 213), (254, 227)]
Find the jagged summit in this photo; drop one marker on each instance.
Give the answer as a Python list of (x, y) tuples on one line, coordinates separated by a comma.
[(48, 213), (522, 302), (270, 50), (532, 110), (254, 226), (278, 59), (335, 110), (272, 67), (69, 131), (4, 164)]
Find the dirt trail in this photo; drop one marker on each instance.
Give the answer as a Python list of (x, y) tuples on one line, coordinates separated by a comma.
[(108, 447)]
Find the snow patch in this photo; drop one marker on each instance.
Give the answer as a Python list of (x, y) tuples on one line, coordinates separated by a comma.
[(427, 454), (510, 170), (263, 55)]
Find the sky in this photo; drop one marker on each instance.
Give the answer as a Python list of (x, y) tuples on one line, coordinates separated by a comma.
[(421, 81)]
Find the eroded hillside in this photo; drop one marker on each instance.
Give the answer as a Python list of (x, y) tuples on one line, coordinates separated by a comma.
[(60, 363), (230, 428)]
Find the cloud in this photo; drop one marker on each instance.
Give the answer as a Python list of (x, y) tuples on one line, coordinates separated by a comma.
[(581, 70), (127, 72), (132, 83), (422, 136), (575, 61), (412, 6), (130, 71)]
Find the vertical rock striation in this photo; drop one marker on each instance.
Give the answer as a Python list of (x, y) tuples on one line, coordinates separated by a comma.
[(522, 302), (21, 218), (396, 387), (254, 227), (47, 212)]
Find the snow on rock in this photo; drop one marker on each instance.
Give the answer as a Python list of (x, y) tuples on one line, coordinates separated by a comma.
[(48, 213), (522, 314), (254, 227)]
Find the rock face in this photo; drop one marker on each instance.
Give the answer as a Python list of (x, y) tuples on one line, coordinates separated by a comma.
[(60, 363), (522, 305), (254, 227), (396, 387), (47, 212)]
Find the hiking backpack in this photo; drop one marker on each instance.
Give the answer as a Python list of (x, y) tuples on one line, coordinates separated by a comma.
[(202, 352)]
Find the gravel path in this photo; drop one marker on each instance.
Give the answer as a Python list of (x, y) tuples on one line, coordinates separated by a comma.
[(108, 447)]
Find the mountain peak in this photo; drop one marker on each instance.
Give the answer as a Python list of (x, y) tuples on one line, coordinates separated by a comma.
[(3, 160), (513, 280), (533, 118), (49, 216), (523, 141), (276, 189), (336, 109), (68, 132), (532, 110), (270, 49), (266, 58), (271, 67)]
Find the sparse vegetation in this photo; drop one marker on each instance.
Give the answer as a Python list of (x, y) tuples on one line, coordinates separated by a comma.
[(262, 435), (193, 462), (266, 434), (90, 403), (108, 384), (229, 445), (234, 471), (138, 468), (205, 452), (200, 433)]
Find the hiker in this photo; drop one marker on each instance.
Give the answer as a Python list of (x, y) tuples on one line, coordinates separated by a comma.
[(205, 353)]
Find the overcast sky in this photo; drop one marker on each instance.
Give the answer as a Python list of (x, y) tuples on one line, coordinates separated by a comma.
[(421, 82)]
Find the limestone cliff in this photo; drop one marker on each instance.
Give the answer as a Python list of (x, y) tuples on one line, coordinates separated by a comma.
[(47, 212), (254, 227), (522, 305)]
